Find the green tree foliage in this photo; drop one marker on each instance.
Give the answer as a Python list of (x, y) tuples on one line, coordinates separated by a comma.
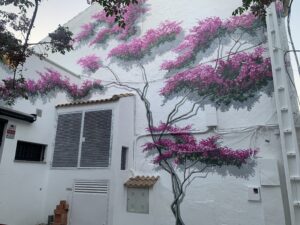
[(258, 7), (115, 8), (15, 30)]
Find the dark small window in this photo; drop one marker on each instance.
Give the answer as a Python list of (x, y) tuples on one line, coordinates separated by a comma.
[(2, 125), (30, 151), (124, 158)]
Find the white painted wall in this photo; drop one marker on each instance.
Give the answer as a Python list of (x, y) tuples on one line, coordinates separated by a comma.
[(122, 135), (31, 191), (23, 185)]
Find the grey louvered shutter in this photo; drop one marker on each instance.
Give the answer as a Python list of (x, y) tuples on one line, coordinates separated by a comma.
[(67, 140), (95, 150)]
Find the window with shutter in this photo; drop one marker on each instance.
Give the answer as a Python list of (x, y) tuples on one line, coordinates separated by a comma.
[(95, 149), (67, 140)]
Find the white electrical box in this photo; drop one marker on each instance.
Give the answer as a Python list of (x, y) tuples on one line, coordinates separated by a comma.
[(138, 200), (254, 194)]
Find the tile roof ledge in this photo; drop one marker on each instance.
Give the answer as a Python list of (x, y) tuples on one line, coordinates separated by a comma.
[(141, 182), (97, 101)]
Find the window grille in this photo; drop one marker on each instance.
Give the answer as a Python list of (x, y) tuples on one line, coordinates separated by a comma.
[(83, 139), (27, 151)]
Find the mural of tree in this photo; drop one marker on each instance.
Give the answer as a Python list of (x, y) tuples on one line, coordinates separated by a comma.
[(234, 78)]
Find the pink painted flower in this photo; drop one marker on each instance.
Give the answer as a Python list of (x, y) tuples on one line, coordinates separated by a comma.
[(138, 47), (132, 13), (181, 146), (203, 34), (244, 21), (101, 36), (279, 7), (235, 79), (101, 17), (49, 81), (90, 63), (200, 35), (86, 32)]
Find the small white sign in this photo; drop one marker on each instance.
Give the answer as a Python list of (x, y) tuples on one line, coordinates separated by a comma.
[(11, 131)]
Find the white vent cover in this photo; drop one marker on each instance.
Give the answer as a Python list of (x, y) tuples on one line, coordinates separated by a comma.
[(88, 186)]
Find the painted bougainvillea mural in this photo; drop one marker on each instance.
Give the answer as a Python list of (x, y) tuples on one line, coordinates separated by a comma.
[(234, 77), (238, 70), (90, 63), (204, 33), (184, 146), (139, 47), (90, 33), (237, 78), (50, 81)]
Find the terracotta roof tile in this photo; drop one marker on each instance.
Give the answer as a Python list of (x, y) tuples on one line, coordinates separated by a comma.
[(141, 182), (90, 102)]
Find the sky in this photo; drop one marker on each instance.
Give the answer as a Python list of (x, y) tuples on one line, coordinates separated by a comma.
[(55, 12), (295, 19)]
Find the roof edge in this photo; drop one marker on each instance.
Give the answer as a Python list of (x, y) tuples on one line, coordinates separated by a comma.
[(114, 98), (141, 182), (4, 111), (61, 67)]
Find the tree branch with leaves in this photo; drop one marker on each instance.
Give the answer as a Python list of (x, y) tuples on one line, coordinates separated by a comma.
[(15, 31)]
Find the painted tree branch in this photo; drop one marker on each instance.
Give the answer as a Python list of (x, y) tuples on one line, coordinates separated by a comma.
[(176, 147), (166, 133)]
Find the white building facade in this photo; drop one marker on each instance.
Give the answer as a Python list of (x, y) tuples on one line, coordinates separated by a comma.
[(85, 151)]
